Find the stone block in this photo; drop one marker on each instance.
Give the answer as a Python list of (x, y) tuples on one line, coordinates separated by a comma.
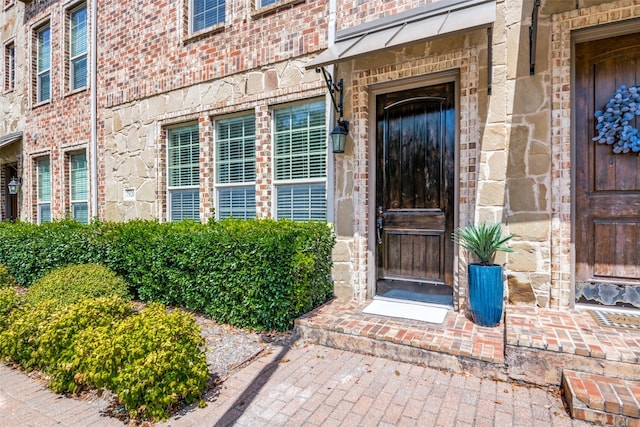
[(530, 94), (494, 137), (344, 217), (549, 7), (255, 83), (491, 193), (524, 259), (270, 80), (540, 129), (520, 290), (496, 166), (342, 251), (530, 226), (522, 195), (539, 164)]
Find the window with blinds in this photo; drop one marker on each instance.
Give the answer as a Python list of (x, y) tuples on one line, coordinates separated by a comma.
[(300, 162), (236, 167), (206, 13), (44, 190), (183, 169), (43, 89), (9, 66), (79, 187), (78, 38)]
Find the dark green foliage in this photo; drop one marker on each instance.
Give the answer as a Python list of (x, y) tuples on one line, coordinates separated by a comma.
[(72, 283), (258, 274), (30, 251)]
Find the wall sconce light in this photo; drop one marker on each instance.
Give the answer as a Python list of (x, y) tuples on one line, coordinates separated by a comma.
[(340, 132), (13, 185)]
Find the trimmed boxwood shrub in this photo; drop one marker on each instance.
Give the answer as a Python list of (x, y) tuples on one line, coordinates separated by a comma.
[(72, 283), (258, 274)]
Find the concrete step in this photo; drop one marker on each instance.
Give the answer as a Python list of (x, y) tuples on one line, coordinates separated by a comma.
[(602, 400)]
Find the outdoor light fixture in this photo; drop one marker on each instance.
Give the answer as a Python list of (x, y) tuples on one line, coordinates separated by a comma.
[(340, 132), (13, 185)]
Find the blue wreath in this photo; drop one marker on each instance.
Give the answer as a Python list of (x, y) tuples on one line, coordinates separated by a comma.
[(613, 121)]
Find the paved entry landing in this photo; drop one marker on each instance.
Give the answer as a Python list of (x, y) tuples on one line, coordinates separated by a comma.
[(457, 344)]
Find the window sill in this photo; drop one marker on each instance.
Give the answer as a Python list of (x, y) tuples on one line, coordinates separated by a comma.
[(76, 91), (8, 91), (218, 28), (41, 103), (274, 8)]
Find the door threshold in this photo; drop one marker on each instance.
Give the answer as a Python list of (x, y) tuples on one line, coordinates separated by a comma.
[(412, 302)]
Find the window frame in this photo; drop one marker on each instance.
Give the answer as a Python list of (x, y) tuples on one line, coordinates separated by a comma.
[(205, 28), (245, 184), (45, 71), (310, 181), (9, 66), (71, 59), (40, 203), (171, 190), (73, 202)]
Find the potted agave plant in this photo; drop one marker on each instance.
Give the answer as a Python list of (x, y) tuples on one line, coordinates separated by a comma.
[(486, 288)]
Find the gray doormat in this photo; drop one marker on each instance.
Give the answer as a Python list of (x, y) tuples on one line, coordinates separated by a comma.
[(617, 319)]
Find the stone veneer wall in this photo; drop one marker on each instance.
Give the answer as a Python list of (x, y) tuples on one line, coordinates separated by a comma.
[(562, 26), (135, 136)]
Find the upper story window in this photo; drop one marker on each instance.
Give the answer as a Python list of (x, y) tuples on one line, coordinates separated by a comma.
[(183, 157), (206, 13), (9, 66), (44, 190), (79, 187), (78, 39), (236, 167), (264, 3), (300, 162), (43, 64)]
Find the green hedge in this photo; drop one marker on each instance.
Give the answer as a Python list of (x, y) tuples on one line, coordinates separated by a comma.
[(258, 274)]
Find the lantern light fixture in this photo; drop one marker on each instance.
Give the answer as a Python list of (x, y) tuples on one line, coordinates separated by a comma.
[(340, 132), (13, 185)]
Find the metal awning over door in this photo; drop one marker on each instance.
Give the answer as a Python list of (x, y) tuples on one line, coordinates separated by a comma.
[(10, 138), (419, 24)]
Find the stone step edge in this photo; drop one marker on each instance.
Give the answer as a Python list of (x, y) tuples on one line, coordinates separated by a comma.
[(400, 352), (601, 399)]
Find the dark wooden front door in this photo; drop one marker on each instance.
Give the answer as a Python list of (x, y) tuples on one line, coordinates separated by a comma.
[(607, 186), (415, 140)]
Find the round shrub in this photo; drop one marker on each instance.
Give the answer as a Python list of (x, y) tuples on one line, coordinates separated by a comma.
[(152, 360), (73, 283)]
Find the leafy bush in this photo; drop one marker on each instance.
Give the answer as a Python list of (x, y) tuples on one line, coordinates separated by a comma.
[(152, 361), (70, 284), (258, 274), (30, 251), (9, 301), (6, 279)]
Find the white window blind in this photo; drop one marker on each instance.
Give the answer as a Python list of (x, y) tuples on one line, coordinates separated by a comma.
[(183, 154), (44, 64), (79, 187), (10, 66), (78, 47), (236, 167), (44, 190), (206, 13), (300, 161)]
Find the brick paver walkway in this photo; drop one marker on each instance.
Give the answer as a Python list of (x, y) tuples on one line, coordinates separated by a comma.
[(314, 385)]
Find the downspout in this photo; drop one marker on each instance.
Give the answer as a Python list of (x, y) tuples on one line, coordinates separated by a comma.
[(94, 108), (331, 40)]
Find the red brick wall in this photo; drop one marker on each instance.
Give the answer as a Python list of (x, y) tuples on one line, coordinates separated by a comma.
[(63, 122), (144, 45), (355, 12)]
